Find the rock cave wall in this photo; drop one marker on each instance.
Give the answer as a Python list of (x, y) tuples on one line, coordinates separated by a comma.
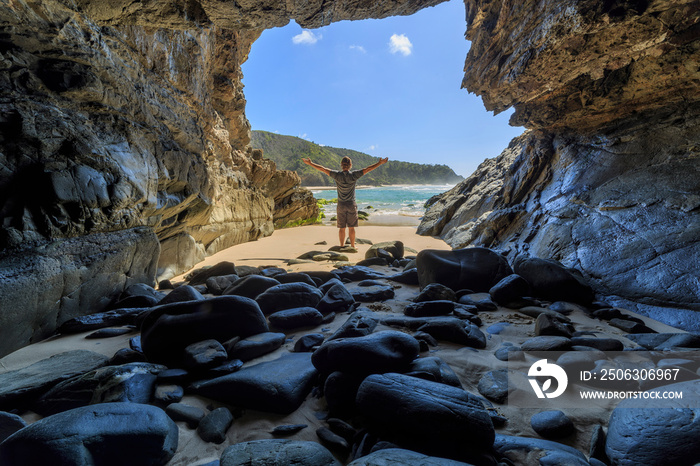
[(124, 147), (123, 138), (607, 177)]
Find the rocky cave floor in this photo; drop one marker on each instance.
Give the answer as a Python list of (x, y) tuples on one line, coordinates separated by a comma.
[(245, 366)]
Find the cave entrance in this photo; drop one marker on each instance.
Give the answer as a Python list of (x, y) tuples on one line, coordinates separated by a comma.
[(389, 88)]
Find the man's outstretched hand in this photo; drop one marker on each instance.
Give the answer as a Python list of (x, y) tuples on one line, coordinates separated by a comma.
[(384, 160), (306, 161)]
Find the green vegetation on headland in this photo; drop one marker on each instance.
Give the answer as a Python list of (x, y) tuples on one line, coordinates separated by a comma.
[(287, 152)]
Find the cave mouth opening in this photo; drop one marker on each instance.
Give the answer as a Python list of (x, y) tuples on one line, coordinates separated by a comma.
[(389, 88)]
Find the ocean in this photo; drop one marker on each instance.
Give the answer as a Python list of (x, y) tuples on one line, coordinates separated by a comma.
[(386, 205)]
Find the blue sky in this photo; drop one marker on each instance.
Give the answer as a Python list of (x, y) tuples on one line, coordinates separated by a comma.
[(389, 87)]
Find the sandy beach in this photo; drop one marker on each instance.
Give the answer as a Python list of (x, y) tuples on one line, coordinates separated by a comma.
[(469, 364), (290, 243)]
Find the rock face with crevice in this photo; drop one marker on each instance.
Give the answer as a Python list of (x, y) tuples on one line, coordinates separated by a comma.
[(607, 179), (123, 134)]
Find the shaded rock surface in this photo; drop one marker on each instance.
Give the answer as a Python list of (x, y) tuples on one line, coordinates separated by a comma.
[(136, 434), (277, 386), (278, 452)]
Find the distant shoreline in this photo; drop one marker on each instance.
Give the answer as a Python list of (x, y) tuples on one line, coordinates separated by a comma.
[(327, 188)]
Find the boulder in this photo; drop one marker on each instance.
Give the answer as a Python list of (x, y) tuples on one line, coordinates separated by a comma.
[(552, 424), (296, 318), (277, 386), (256, 345), (477, 269), (399, 456), (23, 385), (361, 323), (395, 248), (407, 277), (212, 427), (429, 308), (277, 452), (428, 416), (384, 351), (510, 291), (288, 296), (356, 273), (250, 286), (217, 285), (336, 299), (646, 432), (200, 276), (204, 355), (169, 329), (9, 424), (519, 449), (550, 280), (435, 292), (136, 434)]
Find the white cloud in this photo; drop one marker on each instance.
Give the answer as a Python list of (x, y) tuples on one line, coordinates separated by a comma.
[(372, 147), (359, 48), (304, 136), (306, 37), (399, 43)]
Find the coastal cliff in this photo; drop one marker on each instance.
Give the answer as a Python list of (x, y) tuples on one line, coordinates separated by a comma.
[(125, 152), (607, 180)]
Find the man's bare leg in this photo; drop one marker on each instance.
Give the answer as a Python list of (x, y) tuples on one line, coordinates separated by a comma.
[(351, 231), (341, 235)]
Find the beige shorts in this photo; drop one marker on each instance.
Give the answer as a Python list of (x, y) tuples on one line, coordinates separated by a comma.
[(347, 214)]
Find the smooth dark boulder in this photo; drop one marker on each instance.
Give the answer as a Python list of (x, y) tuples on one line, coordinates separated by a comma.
[(602, 344), (436, 292), (548, 326), (427, 416), (371, 293), (429, 308), (307, 342), (295, 277), (135, 301), (361, 323), (546, 343), (101, 434), (217, 285), (510, 291), (552, 281), (181, 412), (116, 317), (494, 386), (434, 369), (666, 340), (407, 277), (656, 432), (454, 330), (169, 329), (256, 345), (108, 333), (9, 424), (384, 351), (288, 429), (336, 299), (164, 395), (204, 355), (212, 427), (356, 273), (295, 318), (478, 269), (380, 261), (278, 386), (551, 453), (133, 383), (340, 391), (400, 456), (481, 304), (250, 286), (288, 296), (277, 452), (552, 424), (22, 386), (181, 294), (200, 276)]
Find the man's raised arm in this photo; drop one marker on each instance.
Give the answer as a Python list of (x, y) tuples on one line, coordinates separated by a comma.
[(375, 165), (318, 167)]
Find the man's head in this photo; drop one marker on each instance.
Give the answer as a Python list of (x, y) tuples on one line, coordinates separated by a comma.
[(346, 163)]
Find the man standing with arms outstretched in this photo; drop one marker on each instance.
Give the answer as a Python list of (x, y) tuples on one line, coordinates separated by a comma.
[(345, 181)]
